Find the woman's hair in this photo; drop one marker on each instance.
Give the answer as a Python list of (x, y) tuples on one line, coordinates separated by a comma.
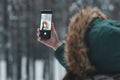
[(76, 49)]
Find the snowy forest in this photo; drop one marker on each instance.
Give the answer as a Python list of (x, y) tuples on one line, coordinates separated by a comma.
[(22, 57)]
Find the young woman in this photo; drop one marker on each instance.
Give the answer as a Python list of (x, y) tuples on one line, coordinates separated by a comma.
[(92, 46)]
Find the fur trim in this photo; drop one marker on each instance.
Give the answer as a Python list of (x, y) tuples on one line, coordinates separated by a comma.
[(76, 49)]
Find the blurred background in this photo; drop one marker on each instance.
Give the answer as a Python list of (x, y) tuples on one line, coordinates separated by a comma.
[(21, 56)]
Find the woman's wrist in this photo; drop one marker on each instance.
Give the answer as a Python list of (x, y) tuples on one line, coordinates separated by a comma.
[(56, 45)]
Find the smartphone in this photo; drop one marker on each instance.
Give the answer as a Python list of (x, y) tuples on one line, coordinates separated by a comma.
[(45, 24)]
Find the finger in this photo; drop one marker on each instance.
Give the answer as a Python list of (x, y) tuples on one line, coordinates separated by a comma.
[(39, 39), (38, 34), (53, 28), (38, 29)]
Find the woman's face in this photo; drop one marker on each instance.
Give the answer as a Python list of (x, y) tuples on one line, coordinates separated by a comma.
[(45, 25)]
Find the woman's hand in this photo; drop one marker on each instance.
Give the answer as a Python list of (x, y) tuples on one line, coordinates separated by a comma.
[(53, 42)]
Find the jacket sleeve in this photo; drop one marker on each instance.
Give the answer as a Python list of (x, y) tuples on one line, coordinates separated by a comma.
[(59, 55)]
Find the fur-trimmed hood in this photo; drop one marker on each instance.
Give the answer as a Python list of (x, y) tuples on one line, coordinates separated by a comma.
[(76, 48)]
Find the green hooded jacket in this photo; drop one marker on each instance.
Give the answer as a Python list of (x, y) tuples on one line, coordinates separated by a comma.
[(103, 41)]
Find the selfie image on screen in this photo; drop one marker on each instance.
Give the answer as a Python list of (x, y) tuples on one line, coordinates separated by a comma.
[(45, 22)]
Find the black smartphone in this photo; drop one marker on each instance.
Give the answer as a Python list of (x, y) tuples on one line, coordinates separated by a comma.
[(45, 24)]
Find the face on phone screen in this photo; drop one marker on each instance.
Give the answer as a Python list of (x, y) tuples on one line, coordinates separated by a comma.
[(45, 21)]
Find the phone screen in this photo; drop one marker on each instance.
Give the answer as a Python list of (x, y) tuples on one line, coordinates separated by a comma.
[(45, 24), (46, 19)]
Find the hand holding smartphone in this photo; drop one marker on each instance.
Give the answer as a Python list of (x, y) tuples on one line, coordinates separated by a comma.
[(45, 24)]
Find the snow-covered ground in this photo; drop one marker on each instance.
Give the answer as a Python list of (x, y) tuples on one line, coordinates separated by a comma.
[(58, 72), (3, 70)]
